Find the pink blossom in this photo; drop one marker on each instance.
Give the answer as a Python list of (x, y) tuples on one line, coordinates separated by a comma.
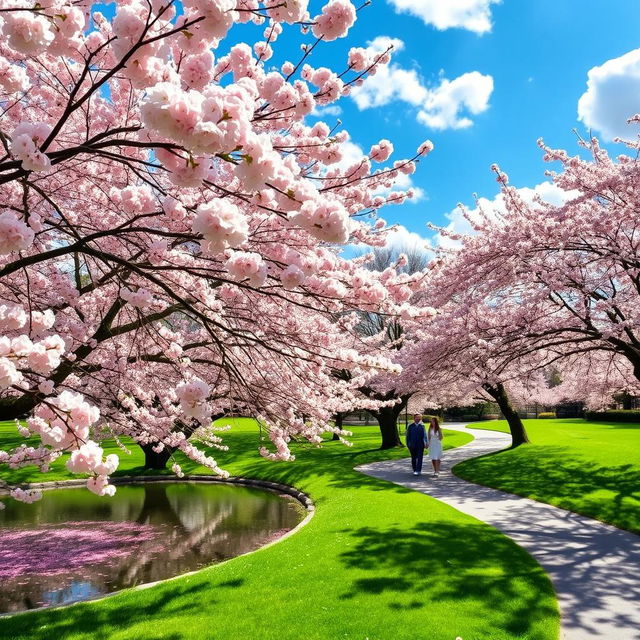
[(26, 495), (336, 19), (222, 225), (41, 321), (250, 267), (359, 58), (86, 458), (263, 50), (12, 316), (27, 32), (290, 12), (43, 360), (9, 375), (141, 298), (22, 145), (192, 396), (66, 422), (177, 469), (13, 78), (100, 486), (197, 70), (327, 220), (134, 199), (292, 277), (15, 235), (380, 152), (36, 161), (21, 346), (46, 387), (259, 163), (425, 148)]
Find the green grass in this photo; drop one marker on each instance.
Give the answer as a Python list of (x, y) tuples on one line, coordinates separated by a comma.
[(592, 468), (377, 561)]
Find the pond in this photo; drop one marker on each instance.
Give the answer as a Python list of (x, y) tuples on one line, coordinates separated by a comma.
[(72, 545)]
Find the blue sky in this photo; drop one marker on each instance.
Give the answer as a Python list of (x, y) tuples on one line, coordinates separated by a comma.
[(538, 53)]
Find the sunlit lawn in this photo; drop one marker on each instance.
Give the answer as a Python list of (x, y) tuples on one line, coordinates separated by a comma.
[(592, 468), (377, 561)]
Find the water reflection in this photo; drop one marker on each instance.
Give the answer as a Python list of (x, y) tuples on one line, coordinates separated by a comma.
[(72, 545)]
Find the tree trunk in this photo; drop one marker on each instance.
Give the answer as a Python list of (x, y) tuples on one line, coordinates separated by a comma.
[(338, 421), (518, 432), (388, 421), (153, 460), (387, 418)]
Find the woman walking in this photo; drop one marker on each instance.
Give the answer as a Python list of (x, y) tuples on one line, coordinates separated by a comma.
[(434, 438)]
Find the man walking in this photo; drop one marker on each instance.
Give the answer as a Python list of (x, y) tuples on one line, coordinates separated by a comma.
[(416, 442)]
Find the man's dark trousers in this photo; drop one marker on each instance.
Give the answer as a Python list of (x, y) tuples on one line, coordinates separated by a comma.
[(416, 458)]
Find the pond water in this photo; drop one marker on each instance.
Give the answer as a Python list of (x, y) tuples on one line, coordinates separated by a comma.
[(73, 545)]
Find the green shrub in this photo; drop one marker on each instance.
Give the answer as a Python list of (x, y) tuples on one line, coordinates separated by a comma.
[(547, 414), (614, 415)]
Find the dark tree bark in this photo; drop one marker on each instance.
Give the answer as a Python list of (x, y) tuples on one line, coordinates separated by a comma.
[(518, 432), (387, 418), (627, 401), (338, 420), (153, 460)]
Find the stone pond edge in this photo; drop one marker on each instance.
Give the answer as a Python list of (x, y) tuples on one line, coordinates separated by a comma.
[(274, 487)]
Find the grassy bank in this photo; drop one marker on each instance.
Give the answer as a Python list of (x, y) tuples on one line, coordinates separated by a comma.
[(377, 561), (592, 468)]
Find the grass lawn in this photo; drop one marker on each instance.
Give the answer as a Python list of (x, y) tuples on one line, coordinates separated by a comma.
[(376, 561), (592, 468)]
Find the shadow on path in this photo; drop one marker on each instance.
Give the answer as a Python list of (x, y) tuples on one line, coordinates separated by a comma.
[(595, 568)]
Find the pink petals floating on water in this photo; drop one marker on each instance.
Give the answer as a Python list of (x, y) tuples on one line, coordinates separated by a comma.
[(55, 550)]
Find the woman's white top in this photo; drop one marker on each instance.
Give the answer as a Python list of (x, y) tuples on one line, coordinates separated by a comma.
[(435, 445)]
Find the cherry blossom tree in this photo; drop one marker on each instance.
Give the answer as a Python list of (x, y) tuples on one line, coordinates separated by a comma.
[(403, 269), (168, 223), (538, 284), (457, 357)]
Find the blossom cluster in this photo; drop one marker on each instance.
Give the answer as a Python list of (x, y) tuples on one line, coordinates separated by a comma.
[(26, 140), (88, 458)]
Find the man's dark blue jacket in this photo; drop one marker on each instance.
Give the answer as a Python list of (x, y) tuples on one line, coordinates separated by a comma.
[(416, 436)]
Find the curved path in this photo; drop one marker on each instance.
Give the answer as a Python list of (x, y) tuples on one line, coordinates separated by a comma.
[(594, 567)]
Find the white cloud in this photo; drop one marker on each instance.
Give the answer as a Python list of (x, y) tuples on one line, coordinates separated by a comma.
[(390, 83), (382, 43), (351, 154), (612, 96), (402, 239), (440, 107), (329, 110), (473, 15), (546, 191)]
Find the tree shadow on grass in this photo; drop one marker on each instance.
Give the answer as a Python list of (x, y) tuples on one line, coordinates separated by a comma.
[(552, 475), (174, 598), (448, 562)]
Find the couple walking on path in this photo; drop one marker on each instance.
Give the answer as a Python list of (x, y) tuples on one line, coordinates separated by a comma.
[(418, 439)]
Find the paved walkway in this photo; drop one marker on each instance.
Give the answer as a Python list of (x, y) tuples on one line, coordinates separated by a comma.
[(595, 568)]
